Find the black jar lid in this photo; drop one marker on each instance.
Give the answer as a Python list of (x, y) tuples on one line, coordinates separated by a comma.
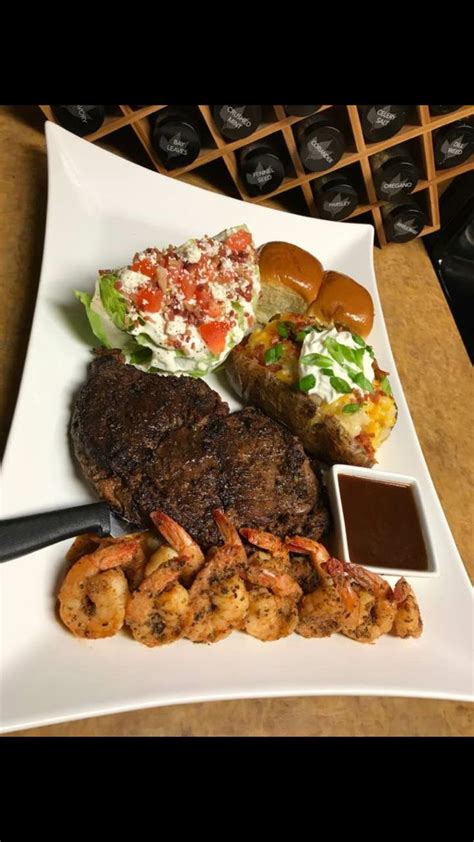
[(335, 196), (80, 119), (321, 144), (397, 176), (453, 144), (300, 110), (176, 142), (443, 109), (380, 122), (261, 169), (403, 221), (236, 121)]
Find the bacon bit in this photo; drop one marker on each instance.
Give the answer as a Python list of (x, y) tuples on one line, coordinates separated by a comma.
[(375, 396), (258, 353), (365, 442), (379, 372), (118, 286)]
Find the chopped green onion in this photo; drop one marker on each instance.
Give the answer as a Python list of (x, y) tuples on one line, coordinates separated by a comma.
[(307, 383), (282, 330), (358, 340), (348, 353), (328, 372), (334, 349), (385, 386), (360, 380), (350, 408), (273, 354), (340, 385), (301, 335), (370, 351), (315, 359), (358, 356)]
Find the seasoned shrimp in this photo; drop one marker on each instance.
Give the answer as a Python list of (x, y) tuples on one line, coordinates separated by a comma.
[(187, 550), (94, 594), (380, 616), (408, 622), (160, 556), (157, 612), (324, 610), (218, 597), (273, 593)]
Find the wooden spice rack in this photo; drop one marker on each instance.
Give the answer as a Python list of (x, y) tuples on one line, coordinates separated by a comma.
[(418, 130)]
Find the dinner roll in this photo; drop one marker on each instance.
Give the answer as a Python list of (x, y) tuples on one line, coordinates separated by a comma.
[(341, 300), (290, 278)]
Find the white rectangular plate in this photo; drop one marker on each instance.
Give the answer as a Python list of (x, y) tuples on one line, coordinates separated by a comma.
[(101, 209)]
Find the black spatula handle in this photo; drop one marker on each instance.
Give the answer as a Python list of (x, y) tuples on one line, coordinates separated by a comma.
[(22, 535)]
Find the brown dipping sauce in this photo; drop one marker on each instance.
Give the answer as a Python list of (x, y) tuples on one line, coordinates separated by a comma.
[(382, 524)]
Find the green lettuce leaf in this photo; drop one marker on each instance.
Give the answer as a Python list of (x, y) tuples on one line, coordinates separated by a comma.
[(113, 302), (94, 319)]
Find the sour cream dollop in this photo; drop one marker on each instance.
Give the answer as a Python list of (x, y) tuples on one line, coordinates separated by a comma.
[(315, 343)]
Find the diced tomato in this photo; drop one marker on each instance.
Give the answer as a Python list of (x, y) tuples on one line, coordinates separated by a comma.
[(145, 267), (148, 300), (208, 303), (214, 335), (239, 240), (188, 285)]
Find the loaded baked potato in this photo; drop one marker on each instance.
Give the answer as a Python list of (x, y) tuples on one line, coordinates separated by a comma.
[(323, 383)]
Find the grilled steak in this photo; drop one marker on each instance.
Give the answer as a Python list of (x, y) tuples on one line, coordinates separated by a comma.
[(148, 442)]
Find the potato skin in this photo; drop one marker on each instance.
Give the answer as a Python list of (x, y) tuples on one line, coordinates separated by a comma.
[(326, 439)]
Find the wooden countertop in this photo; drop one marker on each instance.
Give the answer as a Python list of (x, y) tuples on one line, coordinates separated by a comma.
[(428, 351)]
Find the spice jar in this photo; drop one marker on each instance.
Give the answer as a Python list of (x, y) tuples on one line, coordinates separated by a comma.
[(175, 138), (320, 143), (453, 144), (403, 221), (395, 172), (335, 195), (261, 168), (380, 122), (237, 121), (80, 119)]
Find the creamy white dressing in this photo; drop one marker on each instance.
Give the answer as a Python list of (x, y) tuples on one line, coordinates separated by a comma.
[(314, 344)]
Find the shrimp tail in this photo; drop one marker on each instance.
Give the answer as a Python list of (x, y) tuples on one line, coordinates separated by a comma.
[(226, 528), (265, 540), (114, 555), (401, 591), (298, 544), (367, 579), (171, 531), (336, 570)]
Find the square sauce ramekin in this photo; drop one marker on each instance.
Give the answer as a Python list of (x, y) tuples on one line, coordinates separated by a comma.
[(340, 533)]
